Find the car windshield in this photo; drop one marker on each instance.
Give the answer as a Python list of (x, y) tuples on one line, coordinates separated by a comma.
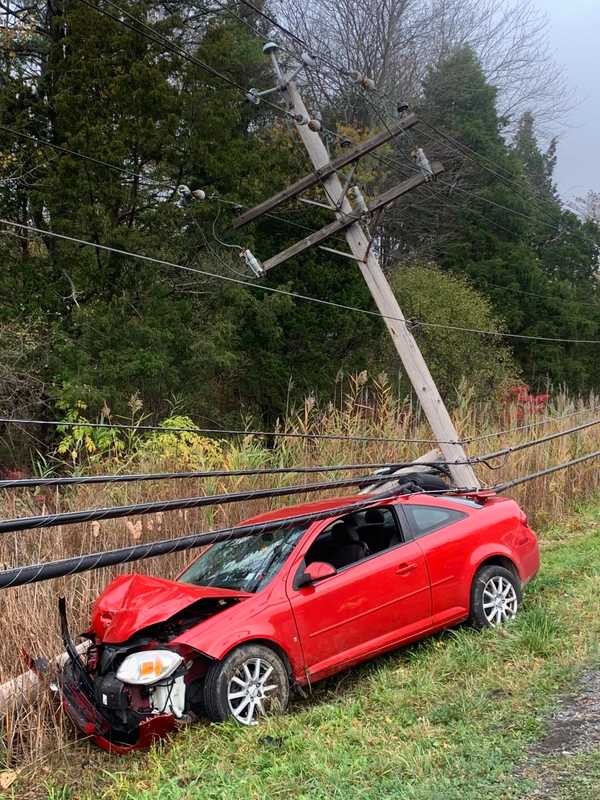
[(246, 564)]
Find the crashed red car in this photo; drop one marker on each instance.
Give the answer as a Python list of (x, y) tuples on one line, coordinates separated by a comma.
[(253, 618)]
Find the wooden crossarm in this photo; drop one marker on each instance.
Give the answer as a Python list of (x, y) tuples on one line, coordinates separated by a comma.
[(315, 177), (348, 219)]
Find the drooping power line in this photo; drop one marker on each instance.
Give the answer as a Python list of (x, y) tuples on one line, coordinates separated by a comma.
[(307, 298)]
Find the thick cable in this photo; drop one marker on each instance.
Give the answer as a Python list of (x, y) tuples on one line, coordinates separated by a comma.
[(152, 35), (502, 487), (162, 506), (19, 576), (76, 154), (527, 426), (506, 451), (86, 480)]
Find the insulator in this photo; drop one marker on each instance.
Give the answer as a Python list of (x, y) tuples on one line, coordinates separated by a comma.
[(359, 199), (199, 194), (183, 190), (314, 125), (422, 162), (252, 97), (368, 83), (308, 59), (252, 262)]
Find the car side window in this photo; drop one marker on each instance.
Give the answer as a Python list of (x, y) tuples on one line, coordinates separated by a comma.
[(355, 537), (427, 519)]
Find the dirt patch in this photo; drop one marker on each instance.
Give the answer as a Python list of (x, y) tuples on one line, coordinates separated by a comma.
[(575, 726), (557, 763)]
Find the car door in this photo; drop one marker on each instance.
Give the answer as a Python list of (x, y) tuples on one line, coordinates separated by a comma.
[(365, 608), (447, 536)]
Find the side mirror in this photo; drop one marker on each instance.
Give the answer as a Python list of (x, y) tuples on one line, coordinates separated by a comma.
[(316, 571)]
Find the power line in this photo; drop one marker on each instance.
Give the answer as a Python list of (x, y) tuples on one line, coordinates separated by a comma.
[(92, 159), (507, 451), (465, 150), (167, 184), (307, 298), (473, 155), (217, 431), (77, 480), (19, 576), (392, 162), (163, 506), (86, 480), (528, 426), (151, 34), (502, 487)]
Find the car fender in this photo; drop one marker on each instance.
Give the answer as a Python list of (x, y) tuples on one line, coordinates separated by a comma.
[(487, 551), (220, 647), (220, 635)]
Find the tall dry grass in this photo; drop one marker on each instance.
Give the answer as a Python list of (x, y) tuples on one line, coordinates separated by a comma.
[(29, 613)]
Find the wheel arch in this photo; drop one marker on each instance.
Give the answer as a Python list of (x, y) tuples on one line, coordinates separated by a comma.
[(265, 642), (498, 560)]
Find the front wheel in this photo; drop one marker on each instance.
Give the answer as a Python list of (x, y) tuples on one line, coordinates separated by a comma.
[(495, 597), (249, 683)]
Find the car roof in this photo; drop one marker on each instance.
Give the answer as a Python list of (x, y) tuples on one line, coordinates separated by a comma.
[(306, 508), (340, 502)]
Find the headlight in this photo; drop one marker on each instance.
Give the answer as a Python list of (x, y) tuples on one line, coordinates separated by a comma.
[(148, 666)]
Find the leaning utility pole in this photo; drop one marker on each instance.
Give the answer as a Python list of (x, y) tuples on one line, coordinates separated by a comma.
[(349, 220)]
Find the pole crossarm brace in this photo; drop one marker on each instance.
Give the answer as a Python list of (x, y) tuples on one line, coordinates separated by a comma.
[(345, 220), (327, 169)]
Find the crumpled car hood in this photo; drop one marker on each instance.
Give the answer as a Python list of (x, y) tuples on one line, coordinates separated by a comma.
[(133, 602)]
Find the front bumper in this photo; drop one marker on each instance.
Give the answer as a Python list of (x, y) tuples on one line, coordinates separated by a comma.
[(92, 720), (122, 732)]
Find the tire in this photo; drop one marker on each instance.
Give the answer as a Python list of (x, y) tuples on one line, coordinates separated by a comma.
[(496, 597), (250, 682)]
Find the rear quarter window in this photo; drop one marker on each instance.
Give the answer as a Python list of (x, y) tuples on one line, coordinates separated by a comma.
[(426, 519)]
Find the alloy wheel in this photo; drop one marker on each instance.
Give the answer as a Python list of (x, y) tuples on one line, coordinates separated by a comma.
[(249, 693), (500, 602)]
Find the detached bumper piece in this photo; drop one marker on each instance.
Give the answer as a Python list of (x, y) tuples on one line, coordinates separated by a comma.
[(104, 708)]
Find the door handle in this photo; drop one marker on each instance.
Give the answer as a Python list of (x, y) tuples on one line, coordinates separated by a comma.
[(406, 568)]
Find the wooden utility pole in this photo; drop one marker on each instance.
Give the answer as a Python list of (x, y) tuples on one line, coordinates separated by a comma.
[(368, 263)]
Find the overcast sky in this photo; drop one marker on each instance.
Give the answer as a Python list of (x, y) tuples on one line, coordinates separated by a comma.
[(574, 37)]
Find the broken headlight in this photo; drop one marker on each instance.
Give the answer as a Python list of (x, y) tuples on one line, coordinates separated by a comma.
[(148, 667)]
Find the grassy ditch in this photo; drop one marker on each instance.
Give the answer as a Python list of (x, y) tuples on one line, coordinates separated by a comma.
[(451, 717)]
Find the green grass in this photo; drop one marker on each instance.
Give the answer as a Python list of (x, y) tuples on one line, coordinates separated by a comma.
[(448, 718)]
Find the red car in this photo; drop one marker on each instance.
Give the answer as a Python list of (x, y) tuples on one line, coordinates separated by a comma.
[(253, 618)]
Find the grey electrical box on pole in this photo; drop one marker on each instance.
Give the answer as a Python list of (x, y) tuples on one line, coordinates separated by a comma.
[(349, 220)]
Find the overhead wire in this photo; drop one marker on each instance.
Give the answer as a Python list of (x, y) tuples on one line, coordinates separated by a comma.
[(19, 576), (502, 487), (86, 480), (440, 180), (527, 426), (507, 451), (145, 178), (215, 431), (66, 150), (151, 34), (185, 503), (296, 295)]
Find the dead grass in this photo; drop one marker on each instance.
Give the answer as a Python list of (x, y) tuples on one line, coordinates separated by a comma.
[(29, 616)]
